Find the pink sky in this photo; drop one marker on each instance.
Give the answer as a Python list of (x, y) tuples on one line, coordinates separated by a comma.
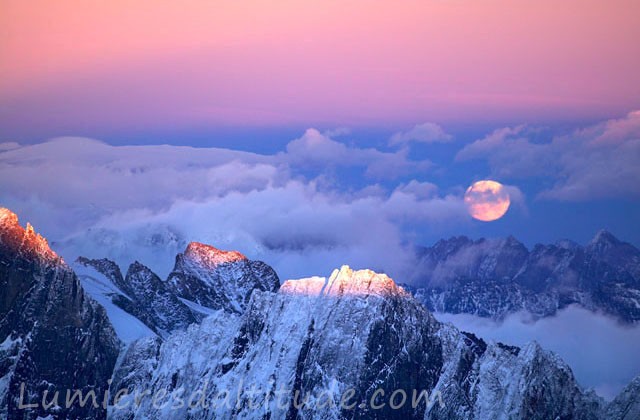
[(198, 63)]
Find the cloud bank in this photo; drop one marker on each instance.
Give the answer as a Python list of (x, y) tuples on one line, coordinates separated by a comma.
[(317, 204), (319, 151), (148, 202), (599, 161)]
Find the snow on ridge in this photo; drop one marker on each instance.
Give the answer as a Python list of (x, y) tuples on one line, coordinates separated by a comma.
[(345, 282), (128, 328), (311, 286)]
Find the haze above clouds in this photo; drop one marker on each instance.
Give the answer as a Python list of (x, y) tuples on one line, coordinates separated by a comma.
[(86, 68)]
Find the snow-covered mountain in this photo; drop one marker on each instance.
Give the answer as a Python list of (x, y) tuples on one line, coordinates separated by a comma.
[(219, 338), (494, 278), (204, 279), (339, 344), (626, 406), (140, 293), (52, 335)]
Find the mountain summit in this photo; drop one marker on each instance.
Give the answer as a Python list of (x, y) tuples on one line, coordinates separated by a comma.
[(24, 241), (204, 279), (344, 282), (219, 279), (210, 256)]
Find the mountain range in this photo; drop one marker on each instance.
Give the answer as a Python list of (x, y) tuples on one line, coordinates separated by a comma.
[(498, 277), (221, 337)]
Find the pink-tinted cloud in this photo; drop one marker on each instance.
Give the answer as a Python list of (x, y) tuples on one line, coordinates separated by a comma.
[(421, 133), (9, 145)]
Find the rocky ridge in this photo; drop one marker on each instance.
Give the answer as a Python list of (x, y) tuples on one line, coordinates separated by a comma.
[(357, 332), (54, 337), (495, 278)]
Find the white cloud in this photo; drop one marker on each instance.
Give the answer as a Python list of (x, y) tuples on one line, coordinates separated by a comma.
[(517, 198), (421, 190), (317, 150), (511, 154), (600, 161), (70, 172), (421, 133), (299, 230), (147, 202), (417, 202)]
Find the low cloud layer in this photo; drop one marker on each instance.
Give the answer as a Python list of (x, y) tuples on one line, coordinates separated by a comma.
[(148, 202), (602, 353), (295, 227)]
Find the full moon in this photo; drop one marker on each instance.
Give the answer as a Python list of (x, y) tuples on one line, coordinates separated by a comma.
[(487, 200)]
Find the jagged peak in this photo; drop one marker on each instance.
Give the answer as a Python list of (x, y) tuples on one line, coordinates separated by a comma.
[(138, 266), (7, 217), (105, 266), (345, 282), (88, 261), (626, 405), (23, 239), (566, 244), (453, 240), (603, 236), (512, 241), (210, 256)]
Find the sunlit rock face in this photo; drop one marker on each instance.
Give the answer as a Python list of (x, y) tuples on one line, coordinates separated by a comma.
[(494, 278), (219, 279), (356, 330), (344, 282), (210, 256), (54, 337), (24, 242)]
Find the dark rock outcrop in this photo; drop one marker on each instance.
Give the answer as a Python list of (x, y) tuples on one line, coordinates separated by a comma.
[(55, 337)]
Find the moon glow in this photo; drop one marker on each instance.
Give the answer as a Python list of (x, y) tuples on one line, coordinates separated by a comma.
[(487, 200)]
